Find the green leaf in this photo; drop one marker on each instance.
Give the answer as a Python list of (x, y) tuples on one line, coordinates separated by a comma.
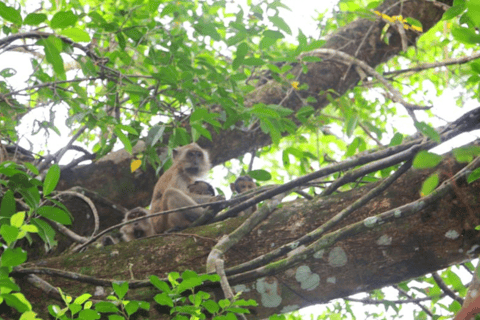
[(29, 228), (45, 231), (34, 19), (51, 46), (242, 51), (106, 307), (269, 38), (188, 284), (473, 12), (207, 29), (51, 179), (31, 196), (63, 19), (351, 124), (31, 167), (428, 131), (7, 283), (211, 306), (159, 284), (89, 314), (465, 35), (154, 134), (129, 129), (76, 35), (9, 233), (131, 307), (260, 175), (204, 132), (474, 175), (10, 14), (396, 140), (453, 11), (17, 301), (466, 153), (281, 24), (163, 299), (17, 219), (81, 299), (123, 138), (253, 62), (120, 289), (425, 160), (8, 206), (13, 257), (429, 185), (55, 214)]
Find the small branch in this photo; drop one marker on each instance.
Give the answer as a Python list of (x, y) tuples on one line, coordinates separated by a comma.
[(426, 66), (403, 292), (445, 288), (304, 194), (413, 300), (396, 96), (59, 154)]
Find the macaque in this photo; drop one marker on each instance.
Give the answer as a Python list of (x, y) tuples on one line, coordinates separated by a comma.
[(171, 191), (241, 185), (109, 240), (201, 187), (139, 229)]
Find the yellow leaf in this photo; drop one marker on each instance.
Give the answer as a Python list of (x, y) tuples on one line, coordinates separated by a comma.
[(135, 165)]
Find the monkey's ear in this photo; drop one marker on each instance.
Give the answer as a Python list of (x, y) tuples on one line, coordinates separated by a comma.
[(232, 187), (174, 153)]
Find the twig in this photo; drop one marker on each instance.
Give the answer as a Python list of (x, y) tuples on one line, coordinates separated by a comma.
[(396, 96), (413, 300), (445, 288), (403, 292), (426, 66), (59, 154)]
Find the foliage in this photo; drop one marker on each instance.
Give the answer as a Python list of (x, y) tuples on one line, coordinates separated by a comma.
[(129, 70)]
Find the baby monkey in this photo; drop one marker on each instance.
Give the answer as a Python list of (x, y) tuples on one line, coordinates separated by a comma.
[(241, 185), (201, 188), (139, 229)]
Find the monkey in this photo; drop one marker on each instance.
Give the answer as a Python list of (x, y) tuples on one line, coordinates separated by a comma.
[(109, 241), (139, 229), (241, 185), (201, 187), (171, 191)]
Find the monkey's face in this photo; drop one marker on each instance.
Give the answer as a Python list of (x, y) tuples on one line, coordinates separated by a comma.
[(138, 232), (194, 160), (244, 186)]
